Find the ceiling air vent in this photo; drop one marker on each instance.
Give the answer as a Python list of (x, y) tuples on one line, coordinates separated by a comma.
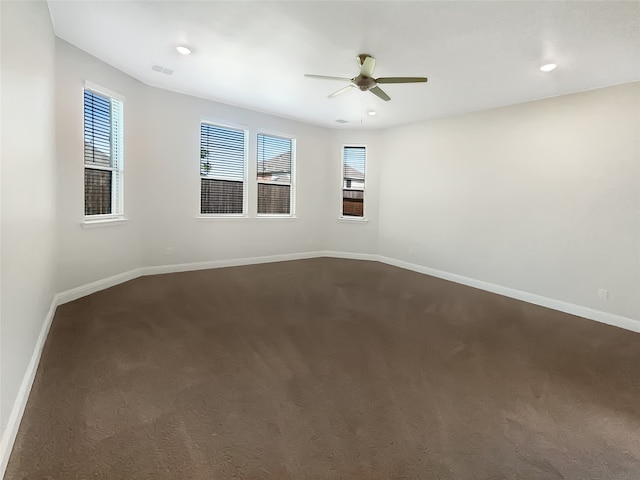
[(158, 68)]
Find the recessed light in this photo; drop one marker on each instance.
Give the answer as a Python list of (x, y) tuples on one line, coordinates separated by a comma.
[(548, 67), (340, 120), (183, 50), (372, 113)]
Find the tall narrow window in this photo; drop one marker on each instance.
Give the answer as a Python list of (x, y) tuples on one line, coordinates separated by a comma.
[(353, 170), (223, 159), (103, 155), (276, 161)]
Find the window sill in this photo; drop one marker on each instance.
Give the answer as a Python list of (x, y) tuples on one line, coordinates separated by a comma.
[(103, 222), (266, 216), (206, 218), (353, 219)]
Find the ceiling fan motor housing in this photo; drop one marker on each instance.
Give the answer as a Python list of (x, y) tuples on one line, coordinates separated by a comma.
[(364, 83), (365, 80)]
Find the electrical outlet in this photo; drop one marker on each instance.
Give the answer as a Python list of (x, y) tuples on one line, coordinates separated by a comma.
[(168, 250), (603, 294)]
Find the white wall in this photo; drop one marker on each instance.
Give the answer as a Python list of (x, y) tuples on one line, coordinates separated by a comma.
[(162, 183), (541, 197), (172, 186), (28, 190), (348, 235), (88, 254)]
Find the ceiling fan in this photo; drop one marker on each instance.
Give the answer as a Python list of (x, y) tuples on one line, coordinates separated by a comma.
[(365, 81)]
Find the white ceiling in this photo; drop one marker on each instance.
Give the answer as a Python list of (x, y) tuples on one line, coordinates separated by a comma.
[(477, 55)]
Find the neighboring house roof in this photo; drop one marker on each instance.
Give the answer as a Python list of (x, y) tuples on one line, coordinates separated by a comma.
[(278, 164), (352, 174)]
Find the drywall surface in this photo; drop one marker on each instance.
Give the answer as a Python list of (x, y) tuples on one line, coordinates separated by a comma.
[(351, 234), (89, 254), (162, 181), (28, 189), (542, 197), (174, 230)]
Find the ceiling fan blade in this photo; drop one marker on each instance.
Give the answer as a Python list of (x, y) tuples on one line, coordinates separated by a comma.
[(380, 93), (401, 80), (341, 91), (325, 77), (368, 64)]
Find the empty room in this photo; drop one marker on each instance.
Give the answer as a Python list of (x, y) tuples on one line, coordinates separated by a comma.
[(320, 240)]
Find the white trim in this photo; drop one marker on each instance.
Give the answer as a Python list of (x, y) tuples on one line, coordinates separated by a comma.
[(275, 133), (372, 257), (353, 219), (93, 287), (92, 87), (214, 216), (117, 152), (98, 285), (233, 262), (92, 222), (281, 216), (100, 167), (552, 303), (15, 417), (223, 123), (274, 182)]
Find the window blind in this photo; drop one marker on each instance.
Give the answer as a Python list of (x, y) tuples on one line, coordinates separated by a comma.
[(275, 161), (222, 169), (103, 152), (353, 171)]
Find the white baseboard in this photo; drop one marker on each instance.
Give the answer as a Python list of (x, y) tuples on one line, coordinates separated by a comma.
[(372, 257), (9, 435), (15, 417), (93, 287), (562, 306), (233, 262)]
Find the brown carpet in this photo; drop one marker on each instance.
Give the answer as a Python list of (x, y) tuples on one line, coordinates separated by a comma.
[(327, 369)]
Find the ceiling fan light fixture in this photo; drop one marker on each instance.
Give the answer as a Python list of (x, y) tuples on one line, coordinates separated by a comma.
[(365, 80), (183, 50), (549, 67)]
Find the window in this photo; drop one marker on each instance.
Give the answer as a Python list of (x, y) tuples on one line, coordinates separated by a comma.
[(276, 160), (353, 170), (223, 155), (103, 155)]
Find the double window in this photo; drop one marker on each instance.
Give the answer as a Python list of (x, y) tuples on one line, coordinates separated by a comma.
[(223, 172), (103, 155), (353, 172)]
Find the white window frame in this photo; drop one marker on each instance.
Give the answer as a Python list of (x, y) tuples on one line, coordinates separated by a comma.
[(350, 218), (292, 183), (117, 214), (245, 177)]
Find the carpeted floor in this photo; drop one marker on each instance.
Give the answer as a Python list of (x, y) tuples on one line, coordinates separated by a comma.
[(327, 369)]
